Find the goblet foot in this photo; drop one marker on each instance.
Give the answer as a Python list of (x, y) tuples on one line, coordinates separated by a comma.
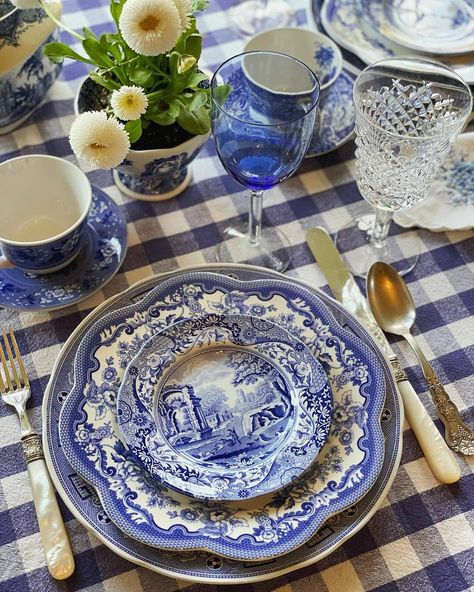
[(271, 252), (401, 249), (253, 16)]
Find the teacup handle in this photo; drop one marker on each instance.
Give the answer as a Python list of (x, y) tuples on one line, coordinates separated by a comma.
[(4, 263)]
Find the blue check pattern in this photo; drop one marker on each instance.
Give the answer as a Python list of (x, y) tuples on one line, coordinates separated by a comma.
[(421, 538)]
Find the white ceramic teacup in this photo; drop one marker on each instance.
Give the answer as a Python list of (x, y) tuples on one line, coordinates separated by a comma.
[(314, 49), (44, 204)]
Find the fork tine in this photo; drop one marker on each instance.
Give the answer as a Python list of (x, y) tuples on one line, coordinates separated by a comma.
[(23, 373), (12, 361), (5, 369), (3, 390)]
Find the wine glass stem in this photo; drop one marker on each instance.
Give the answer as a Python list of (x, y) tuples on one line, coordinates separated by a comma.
[(381, 227), (255, 217)]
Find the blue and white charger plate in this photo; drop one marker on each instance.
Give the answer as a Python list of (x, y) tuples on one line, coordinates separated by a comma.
[(443, 27), (105, 246), (449, 204), (229, 407), (344, 23), (253, 530), (84, 503)]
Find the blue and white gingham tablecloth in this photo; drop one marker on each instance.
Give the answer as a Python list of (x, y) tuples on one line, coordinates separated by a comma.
[(422, 537)]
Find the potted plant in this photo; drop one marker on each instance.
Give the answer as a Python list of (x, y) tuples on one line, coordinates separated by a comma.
[(145, 108)]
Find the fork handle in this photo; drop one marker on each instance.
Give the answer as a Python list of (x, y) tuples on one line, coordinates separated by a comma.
[(57, 549)]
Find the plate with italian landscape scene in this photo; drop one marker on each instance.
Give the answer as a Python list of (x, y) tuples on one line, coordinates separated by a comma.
[(230, 406), (248, 530)]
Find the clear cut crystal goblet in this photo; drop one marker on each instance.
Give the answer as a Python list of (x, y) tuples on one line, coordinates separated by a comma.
[(408, 113), (263, 110)]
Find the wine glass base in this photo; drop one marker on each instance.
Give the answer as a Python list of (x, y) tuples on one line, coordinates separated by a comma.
[(354, 241), (253, 16), (272, 251)]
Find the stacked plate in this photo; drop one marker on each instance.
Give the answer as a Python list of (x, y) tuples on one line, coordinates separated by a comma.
[(374, 30), (222, 424)]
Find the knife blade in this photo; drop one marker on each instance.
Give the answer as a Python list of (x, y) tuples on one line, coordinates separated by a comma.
[(345, 289)]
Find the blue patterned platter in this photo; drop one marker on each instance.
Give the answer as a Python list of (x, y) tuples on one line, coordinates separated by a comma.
[(200, 566), (334, 120), (256, 529), (98, 261), (226, 404), (345, 23)]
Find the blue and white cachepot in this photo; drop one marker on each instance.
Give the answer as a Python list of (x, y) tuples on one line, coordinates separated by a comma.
[(26, 74), (149, 175)]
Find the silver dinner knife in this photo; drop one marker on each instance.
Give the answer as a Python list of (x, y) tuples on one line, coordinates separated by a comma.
[(345, 289)]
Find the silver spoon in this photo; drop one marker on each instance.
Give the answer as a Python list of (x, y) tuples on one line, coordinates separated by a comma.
[(394, 310)]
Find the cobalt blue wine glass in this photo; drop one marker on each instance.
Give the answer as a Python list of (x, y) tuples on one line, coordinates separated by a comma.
[(263, 115)]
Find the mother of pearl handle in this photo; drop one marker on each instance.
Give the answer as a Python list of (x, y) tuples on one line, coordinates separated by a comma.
[(438, 456), (57, 549)]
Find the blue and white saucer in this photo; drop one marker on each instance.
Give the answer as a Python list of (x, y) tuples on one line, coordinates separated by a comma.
[(225, 407), (335, 118), (101, 256)]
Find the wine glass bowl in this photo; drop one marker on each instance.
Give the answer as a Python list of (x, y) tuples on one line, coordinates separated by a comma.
[(262, 128), (408, 113)]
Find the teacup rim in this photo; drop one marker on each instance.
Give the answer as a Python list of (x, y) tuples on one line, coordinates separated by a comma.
[(316, 34), (68, 230)]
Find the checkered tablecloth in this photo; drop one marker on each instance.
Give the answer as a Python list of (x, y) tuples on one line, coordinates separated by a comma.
[(422, 537)]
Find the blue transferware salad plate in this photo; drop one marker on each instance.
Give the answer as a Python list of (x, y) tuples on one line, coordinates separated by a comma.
[(101, 256), (249, 530), (231, 407), (201, 566)]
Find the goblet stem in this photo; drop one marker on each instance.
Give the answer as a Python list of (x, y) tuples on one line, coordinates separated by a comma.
[(383, 218), (255, 217)]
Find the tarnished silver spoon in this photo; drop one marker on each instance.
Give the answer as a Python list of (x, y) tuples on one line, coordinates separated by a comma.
[(394, 310)]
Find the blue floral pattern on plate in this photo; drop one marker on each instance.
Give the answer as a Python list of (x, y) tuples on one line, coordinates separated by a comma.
[(101, 255), (346, 467), (219, 407), (83, 502)]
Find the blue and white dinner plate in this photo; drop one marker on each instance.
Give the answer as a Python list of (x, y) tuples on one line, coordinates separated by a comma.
[(225, 407), (83, 501), (443, 27), (105, 246), (344, 22), (253, 530)]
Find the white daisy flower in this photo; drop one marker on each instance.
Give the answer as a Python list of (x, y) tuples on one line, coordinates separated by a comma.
[(185, 9), (150, 27), (100, 141), (129, 102), (25, 4)]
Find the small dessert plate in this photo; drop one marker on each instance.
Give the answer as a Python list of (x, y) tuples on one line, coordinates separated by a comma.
[(101, 256), (225, 407)]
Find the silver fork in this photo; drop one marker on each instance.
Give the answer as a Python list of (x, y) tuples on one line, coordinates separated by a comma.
[(15, 391)]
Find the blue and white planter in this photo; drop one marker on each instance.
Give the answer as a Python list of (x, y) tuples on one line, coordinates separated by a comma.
[(26, 74), (151, 175)]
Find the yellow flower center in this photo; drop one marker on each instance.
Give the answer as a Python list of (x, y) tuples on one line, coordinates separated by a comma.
[(97, 146), (149, 23)]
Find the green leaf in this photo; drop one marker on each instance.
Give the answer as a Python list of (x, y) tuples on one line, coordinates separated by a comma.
[(162, 118), (195, 79), (194, 45), (88, 34), (142, 77), (116, 10), (97, 53), (134, 130), (106, 83), (199, 100), (200, 5), (174, 61), (195, 122), (56, 52), (221, 93)]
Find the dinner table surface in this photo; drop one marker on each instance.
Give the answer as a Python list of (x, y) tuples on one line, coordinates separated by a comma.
[(421, 538)]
